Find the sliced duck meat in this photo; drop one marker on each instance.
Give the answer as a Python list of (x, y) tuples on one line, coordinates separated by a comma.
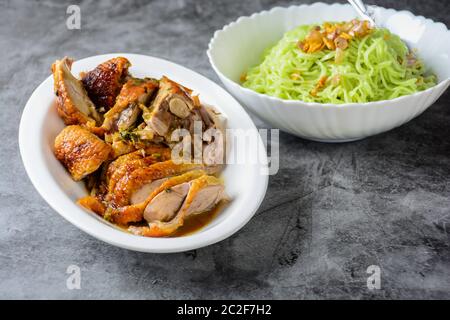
[(134, 212), (175, 108), (206, 199), (172, 104), (103, 84), (204, 194), (214, 148), (80, 151), (166, 204), (127, 109), (128, 117), (142, 194), (72, 101), (134, 180)]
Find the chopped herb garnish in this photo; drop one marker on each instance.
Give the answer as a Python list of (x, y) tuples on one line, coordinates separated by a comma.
[(129, 136), (108, 217)]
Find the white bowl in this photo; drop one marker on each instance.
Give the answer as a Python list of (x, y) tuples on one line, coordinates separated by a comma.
[(40, 124), (240, 45)]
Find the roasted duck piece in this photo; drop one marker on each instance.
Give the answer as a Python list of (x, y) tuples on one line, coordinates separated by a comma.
[(173, 102), (80, 151), (214, 149), (135, 211), (125, 115), (134, 180), (93, 204), (175, 108), (72, 101), (103, 84), (126, 164), (105, 179), (126, 110), (167, 211)]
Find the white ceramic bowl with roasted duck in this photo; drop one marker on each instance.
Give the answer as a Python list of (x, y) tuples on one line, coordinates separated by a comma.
[(66, 128), (240, 44)]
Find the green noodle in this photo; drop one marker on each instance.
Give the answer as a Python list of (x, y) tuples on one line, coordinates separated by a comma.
[(376, 67)]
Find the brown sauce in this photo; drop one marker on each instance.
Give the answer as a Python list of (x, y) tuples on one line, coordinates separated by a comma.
[(192, 224), (197, 222)]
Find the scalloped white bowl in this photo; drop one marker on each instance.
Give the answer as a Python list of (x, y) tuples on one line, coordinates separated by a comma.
[(240, 45), (245, 183)]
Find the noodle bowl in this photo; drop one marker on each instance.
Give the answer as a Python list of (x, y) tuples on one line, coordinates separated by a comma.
[(378, 66), (239, 46)]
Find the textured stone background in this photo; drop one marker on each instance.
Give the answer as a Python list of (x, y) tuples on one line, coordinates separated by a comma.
[(332, 210)]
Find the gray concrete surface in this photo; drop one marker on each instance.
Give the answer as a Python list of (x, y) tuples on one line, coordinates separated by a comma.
[(332, 211)]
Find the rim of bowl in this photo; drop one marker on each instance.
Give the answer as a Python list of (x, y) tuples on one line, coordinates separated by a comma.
[(217, 33), (105, 232)]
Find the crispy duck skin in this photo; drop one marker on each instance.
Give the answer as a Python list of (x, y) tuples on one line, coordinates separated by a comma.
[(135, 212), (103, 84), (116, 165), (126, 109), (72, 102), (114, 170), (80, 151), (126, 164), (121, 147), (93, 204), (134, 180), (199, 195)]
